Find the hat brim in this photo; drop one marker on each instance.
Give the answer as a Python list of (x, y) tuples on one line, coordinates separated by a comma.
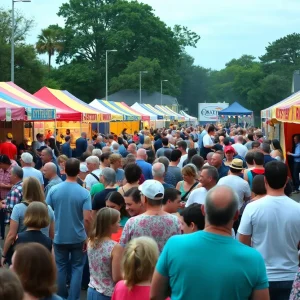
[(236, 167)]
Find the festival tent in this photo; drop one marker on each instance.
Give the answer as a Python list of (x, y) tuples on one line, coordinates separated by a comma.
[(192, 120), (177, 116), (123, 105), (155, 120), (126, 119), (10, 111), (151, 109), (235, 109), (82, 112), (115, 116)]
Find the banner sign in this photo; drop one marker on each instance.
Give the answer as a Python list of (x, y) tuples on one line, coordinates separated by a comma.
[(131, 118), (41, 114), (208, 112), (8, 114)]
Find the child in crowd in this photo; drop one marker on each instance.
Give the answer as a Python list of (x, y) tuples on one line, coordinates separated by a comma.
[(192, 218), (10, 286), (36, 218), (104, 255), (138, 263)]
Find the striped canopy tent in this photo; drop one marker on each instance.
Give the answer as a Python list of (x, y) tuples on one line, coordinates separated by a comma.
[(286, 110), (10, 111), (65, 100), (14, 97), (160, 115), (115, 116), (177, 116), (169, 115), (144, 117), (192, 120)]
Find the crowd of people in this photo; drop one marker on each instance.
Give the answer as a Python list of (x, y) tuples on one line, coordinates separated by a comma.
[(178, 213)]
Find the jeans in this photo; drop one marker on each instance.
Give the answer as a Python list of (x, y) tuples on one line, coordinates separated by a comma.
[(63, 253), (296, 171), (280, 290), (92, 294)]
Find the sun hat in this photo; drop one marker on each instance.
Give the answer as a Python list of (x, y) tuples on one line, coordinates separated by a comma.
[(236, 164), (152, 189)]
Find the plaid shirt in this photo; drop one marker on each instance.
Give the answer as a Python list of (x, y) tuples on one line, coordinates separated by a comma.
[(5, 178), (13, 197)]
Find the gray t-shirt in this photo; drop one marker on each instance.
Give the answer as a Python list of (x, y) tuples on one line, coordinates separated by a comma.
[(18, 215), (56, 180), (176, 172), (32, 172)]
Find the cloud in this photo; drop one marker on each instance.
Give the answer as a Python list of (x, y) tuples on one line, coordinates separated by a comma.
[(228, 29)]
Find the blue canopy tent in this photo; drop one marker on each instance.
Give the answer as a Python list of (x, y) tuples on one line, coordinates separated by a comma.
[(236, 110)]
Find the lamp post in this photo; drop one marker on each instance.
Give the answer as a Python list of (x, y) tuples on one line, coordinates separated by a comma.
[(12, 63), (161, 90), (141, 72), (106, 73)]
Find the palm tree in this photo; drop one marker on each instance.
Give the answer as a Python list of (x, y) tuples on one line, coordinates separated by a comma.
[(49, 42)]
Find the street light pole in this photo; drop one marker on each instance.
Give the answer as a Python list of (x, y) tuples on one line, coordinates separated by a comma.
[(161, 90), (106, 73), (141, 72), (12, 62)]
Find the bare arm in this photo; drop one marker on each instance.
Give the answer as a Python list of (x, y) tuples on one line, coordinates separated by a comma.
[(51, 230), (260, 295), (87, 217), (245, 239), (159, 287), (116, 263), (11, 236)]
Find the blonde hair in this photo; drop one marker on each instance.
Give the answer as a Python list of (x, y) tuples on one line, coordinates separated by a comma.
[(32, 190), (189, 170), (104, 219), (36, 215), (139, 260), (62, 158), (114, 158), (147, 141)]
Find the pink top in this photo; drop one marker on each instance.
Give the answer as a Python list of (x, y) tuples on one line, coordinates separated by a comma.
[(138, 292)]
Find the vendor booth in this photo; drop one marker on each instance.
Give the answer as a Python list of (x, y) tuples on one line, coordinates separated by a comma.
[(124, 120), (192, 121), (156, 121), (80, 121), (237, 113), (178, 117)]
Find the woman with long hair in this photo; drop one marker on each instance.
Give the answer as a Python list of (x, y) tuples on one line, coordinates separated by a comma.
[(277, 152), (138, 264), (32, 191), (35, 267), (191, 153), (148, 146), (61, 160), (104, 255), (133, 202), (52, 145)]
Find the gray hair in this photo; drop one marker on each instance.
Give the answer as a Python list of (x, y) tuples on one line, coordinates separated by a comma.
[(109, 176), (158, 170), (93, 160), (115, 146), (212, 172), (265, 147), (210, 154), (221, 216), (96, 152), (27, 158), (48, 151), (164, 160), (106, 149), (17, 171), (52, 166)]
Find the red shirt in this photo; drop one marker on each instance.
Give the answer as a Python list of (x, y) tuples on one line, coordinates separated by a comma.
[(9, 149)]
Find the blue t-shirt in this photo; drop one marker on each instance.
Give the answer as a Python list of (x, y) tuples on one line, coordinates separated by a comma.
[(120, 175), (216, 267), (32, 172), (18, 215), (146, 168), (69, 200)]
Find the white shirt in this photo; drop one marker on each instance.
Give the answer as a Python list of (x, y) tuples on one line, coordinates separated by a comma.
[(207, 140), (239, 185), (240, 149), (197, 196), (90, 180), (182, 159), (274, 223)]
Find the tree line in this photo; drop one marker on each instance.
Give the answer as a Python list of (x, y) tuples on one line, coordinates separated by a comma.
[(143, 43)]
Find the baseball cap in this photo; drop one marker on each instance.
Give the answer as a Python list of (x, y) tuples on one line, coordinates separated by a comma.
[(4, 159), (152, 189), (229, 149), (41, 148), (9, 135), (83, 168), (236, 164)]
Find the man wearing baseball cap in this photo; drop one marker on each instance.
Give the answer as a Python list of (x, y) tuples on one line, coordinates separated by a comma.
[(155, 222), (8, 148)]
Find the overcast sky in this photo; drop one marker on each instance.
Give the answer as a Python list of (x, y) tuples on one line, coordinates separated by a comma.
[(228, 28)]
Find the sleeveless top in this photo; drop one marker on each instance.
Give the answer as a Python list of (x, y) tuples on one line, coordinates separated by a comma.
[(101, 267)]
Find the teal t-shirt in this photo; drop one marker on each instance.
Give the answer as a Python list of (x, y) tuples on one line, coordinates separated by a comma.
[(204, 265)]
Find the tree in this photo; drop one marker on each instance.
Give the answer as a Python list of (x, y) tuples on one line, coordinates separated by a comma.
[(94, 26), (49, 42)]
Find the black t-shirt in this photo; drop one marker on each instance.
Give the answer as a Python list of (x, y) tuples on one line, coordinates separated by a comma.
[(34, 236), (99, 198)]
